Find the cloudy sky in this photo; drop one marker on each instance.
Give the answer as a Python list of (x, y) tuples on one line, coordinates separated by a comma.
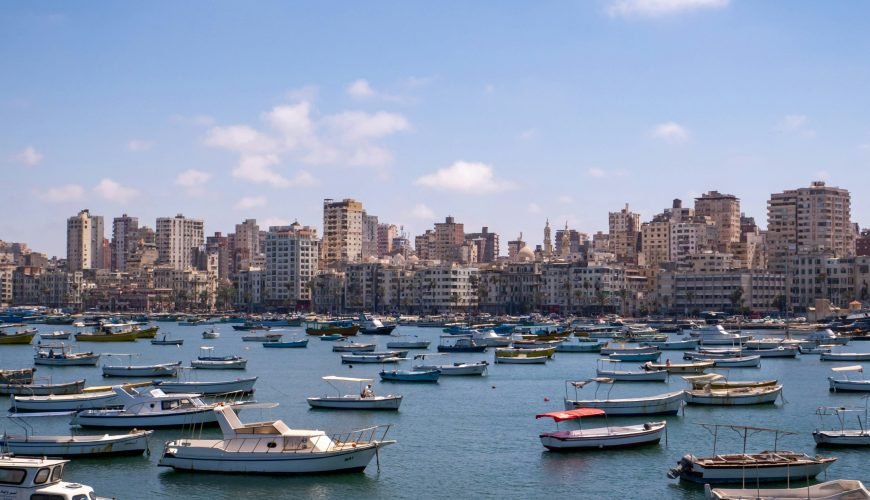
[(499, 113)]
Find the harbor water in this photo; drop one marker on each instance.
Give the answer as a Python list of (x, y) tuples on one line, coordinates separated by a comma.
[(464, 437)]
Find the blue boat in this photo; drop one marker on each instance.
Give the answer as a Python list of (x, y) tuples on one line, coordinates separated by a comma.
[(289, 344), (332, 337), (410, 376)]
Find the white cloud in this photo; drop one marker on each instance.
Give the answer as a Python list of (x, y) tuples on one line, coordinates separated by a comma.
[(275, 221), (308, 93), (795, 124), (421, 211), (137, 145), (488, 88), (29, 156), (358, 126), (529, 134), (240, 139), (293, 124), (61, 194), (466, 177), (193, 181), (670, 132), (249, 202), (659, 8), (565, 199), (360, 89), (258, 169), (534, 208), (110, 190)]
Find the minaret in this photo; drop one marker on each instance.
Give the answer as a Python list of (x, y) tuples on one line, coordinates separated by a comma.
[(566, 242), (548, 243)]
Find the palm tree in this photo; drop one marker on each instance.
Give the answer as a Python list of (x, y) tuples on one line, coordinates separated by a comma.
[(736, 298), (690, 298)]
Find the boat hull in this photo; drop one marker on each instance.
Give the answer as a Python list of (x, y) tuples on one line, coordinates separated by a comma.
[(77, 446), (843, 385), (17, 339), (459, 369), (844, 356), (422, 344), (734, 397), (244, 386), (356, 403), (843, 438), (602, 438), (774, 471), (239, 364), (410, 376), (91, 360), (346, 331), (639, 376), (114, 337), (42, 389), (663, 404), (117, 419), (167, 370), (521, 360), (296, 344), (62, 403)]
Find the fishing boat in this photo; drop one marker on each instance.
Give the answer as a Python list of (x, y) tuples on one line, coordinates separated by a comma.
[(332, 337), (110, 333), (842, 437), (211, 333), (749, 468), (841, 489), (508, 352), (208, 388), (600, 437), (658, 404), (250, 326), (579, 346), (521, 359), (56, 335), (369, 358), (63, 355), (738, 396), (672, 345), (74, 446), (717, 335), (344, 328), (718, 381), (365, 400), (735, 362), (38, 478), (274, 448), (354, 347), (369, 325), (847, 384), (63, 402), (212, 362), (694, 367), (614, 348), (452, 369), (19, 376), (405, 344), (844, 356), (155, 370), (612, 369), (150, 408), (632, 356), (461, 343), (167, 341), (489, 338), (775, 352), (268, 337), (145, 333), (827, 337), (410, 375), (18, 337), (290, 344), (74, 387)]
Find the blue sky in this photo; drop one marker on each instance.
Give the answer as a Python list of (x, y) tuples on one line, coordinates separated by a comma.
[(498, 113)]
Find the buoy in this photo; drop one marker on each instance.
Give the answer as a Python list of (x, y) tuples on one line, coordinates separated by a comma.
[(546, 399), (493, 387)]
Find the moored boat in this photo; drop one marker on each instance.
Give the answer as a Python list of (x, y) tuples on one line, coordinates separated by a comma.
[(155, 370), (672, 345), (290, 344), (738, 396), (63, 355), (212, 362), (344, 328), (365, 400), (267, 337), (63, 402), (452, 369), (694, 367), (354, 347), (842, 437), (56, 335), (102, 445), (167, 341), (844, 356), (598, 438), (462, 343), (847, 384), (39, 478), (612, 369), (369, 325), (18, 337), (208, 388), (767, 466), (410, 375), (658, 404), (840, 489), (74, 387)]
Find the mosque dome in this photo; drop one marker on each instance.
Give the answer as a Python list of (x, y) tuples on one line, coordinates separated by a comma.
[(525, 254)]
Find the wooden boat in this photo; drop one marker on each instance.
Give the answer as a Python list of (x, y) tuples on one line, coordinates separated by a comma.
[(250, 326), (463, 343), (846, 384), (18, 337), (625, 348), (291, 344), (452, 369), (268, 337), (39, 478), (738, 362), (844, 356), (106, 333), (609, 368), (369, 358), (344, 328), (842, 437), (205, 361), (57, 335), (672, 345), (631, 356), (250, 449), (695, 367), (507, 352), (739, 396), (167, 341), (63, 355), (362, 401), (102, 445), (20, 376), (521, 359), (598, 438), (74, 387), (717, 381), (658, 404), (211, 333), (815, 349), (208, 388), (841, 489), (354, 347), (410, 375), (65, 402), (156, 370), (332, 337), (776, 352), (146, 333), (579, 346)]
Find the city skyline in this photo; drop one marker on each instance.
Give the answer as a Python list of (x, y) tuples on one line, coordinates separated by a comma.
[(501, 116)]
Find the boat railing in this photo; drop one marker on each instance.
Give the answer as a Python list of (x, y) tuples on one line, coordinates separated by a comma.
[(335, 442)]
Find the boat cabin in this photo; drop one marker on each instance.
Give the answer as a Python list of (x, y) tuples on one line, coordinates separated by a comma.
[(38, 478), (293, 439)]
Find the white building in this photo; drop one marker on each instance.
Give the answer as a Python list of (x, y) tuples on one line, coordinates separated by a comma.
[(292, 257), (177, 237), (84, 241)]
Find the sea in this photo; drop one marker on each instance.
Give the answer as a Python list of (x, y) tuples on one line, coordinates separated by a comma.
[(463, 437)]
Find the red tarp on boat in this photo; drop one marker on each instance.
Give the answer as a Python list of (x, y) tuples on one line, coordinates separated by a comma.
[(559, 416)]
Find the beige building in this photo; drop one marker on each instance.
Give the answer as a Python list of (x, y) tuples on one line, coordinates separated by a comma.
[(449, 237), (292, 256), (177, 237), (623, 234), (724, 211), (386, 234), (720, 291), (84, 241), (342, 231), (125, 231)]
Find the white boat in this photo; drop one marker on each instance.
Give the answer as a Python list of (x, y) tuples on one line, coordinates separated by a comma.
[(266, 337), (38, 478), (658, 404), (64, 402), (737, 396), (490, 339), (844, 356), (521, 359), (150, 408), (600, 437), (132, 443), (211, 362), (842, 436), (56, 335), (693, 367), (763, 343), (361, 401), (611, 369), (619, 348), (236, 386), (738, 362), (846, 384), (211, 333), (840, 489), (407, 344), (354, 347), (774, 352), (156, 370), (815, 349), (274, 448), (369, 325), (63, 355), (369, 358), (717, 335), (452, 369), (672, 345), (827, 337)]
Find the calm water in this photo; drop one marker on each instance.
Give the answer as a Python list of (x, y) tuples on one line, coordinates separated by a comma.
[(461, 438)]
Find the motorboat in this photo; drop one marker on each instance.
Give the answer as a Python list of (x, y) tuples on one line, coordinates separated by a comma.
[(840, 489), (74, 387), (579, 346), (167, 341), (405, 344), (211, 362), (332, 337), (211, 333), (625, 348), (149, 408), (489, 338), (274, 448), (774, 352), (672, 345), (827, 337), (155, 370), (55, 335), (208, 388), (18, 337), (717, 335), (847, 384), (815, 349), (658, 404), (111, 333), (737, 396), (452, 369), (369, 325), (844, 356), (63, 355), (369, 358), (694, 367), (290, 344), (344, 328), (362, 401), (74, 446), (354, 347), (842, 436), (39, 478), (461, 343), (609, 368), (410, 375), (248, 326), (600, 437), (63, 402), (266, 337)]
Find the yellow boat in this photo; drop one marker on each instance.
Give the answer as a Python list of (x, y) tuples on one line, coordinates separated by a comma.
[(126, 336), (19, 337), (146, 333)]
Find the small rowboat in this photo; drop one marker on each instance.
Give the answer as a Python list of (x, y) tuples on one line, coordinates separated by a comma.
[(695, 367), (632, 356), (74, 387), (844, 356), (156, 370), (717, 381), (166, 341), (614, 372), (354, 347), (297, 344), (733, 397), (410, 375), (598, 438)]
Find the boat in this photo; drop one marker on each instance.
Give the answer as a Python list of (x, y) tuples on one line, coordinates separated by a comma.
[(815, 349), (694, 367), (509, 352), (658, 404), (205, 361), (155, 370), (749, 468), (253, 449), (717, 381), (521, 359), (827, 337), (63, 402), (343, 328), (150, 408), (167, 341), (208, 388), (672, 345), (74, 387), (302, 343), (211, 333), (369, 358), (775, 352), (625, 348), (17, 337), (842, 437), (610, 368), (19, 376), (735, 362), (579, 346), (717, 335), (840, 489), (410, 375), (145, 333), (268, 337), (110, 333), (75, 446), (739, 396), (846, 384), (452, 369), (63, 355), (365, 400), (844, 356), (462, 343), (354, 347), (600, 437), (489, 338), (56, 335), (405, 344), (369, 325), (639, 356), (332, 337), (250, 326), (39, 478)]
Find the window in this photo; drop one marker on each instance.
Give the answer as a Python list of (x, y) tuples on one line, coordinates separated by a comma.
[(12, 476), (42, 475)]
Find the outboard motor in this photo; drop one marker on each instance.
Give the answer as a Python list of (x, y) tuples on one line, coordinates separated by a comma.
[(683, 464)]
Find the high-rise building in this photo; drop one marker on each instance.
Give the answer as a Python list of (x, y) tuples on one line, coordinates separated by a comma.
[(342, 231), (219, 245), (487, 244), (292, 254), (84, 241), (811, 220), (386, 234), (424, 245), (449, 236), (624, 233), (124, 231), (724, 211), (369, 236), (245, 245), (177, 237), (862, 243)]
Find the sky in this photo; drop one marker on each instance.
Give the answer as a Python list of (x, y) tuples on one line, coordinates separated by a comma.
[(499, 113)]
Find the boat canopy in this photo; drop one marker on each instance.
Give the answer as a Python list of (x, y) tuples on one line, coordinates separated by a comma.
[(700, 379), (559, 416), (346, 379), (853, 368)]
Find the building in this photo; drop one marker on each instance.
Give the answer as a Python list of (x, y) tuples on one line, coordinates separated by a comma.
[(424, 245), (624, 234), (219, 246), (487, 245), (369, 236), (177, 237), (244, 246), (386, 234), (342, 231), (84, 241), (724, 211), (570, 242), (449, 237), (292, 255), (124, 231), (688, 293), (862, 243), (812, 220)]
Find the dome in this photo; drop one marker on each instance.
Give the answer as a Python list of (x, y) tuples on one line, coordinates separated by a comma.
[(398, 260), (413, 259), (525, 254)]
